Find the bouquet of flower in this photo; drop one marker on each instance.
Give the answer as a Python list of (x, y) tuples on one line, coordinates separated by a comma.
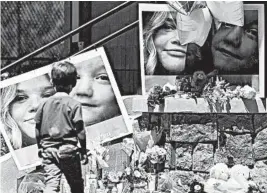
[(220, 94), (112, 177), (135, 175), (156, 154), (155, 96), (216, 96), (247, 92), (199, 81), (183, 84)]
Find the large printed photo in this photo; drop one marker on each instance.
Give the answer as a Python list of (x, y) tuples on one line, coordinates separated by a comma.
[(224, 39), (104, 113)]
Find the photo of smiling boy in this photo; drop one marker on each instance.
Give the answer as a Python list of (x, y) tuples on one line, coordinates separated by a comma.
[(94, 91)]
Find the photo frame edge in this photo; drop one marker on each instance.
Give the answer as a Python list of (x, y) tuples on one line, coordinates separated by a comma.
[(116, 91)]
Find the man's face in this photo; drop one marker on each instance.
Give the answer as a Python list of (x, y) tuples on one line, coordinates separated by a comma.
[(233, 47)]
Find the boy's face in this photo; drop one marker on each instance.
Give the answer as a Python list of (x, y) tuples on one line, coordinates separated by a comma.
[(29, 95), (93, 90)]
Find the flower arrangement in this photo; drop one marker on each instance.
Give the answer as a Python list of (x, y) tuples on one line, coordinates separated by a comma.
[(156, 154), (156, 96), (183, 84), (136, 175), (112, 178), (132, 177), (217, 93), (220, 94)]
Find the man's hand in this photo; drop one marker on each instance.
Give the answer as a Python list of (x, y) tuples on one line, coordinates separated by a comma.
[(40, 153), (84, 159)]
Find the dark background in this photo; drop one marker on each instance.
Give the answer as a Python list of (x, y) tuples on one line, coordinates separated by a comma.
[(26, 26)]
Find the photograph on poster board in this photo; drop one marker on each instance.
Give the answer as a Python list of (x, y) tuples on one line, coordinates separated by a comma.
[(173, 44), (105, 116)]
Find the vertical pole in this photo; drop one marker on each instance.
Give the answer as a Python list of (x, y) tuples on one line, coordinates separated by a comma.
[(19, 28)]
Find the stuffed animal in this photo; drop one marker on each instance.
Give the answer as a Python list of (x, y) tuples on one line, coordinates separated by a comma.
[(234, 180), (220, 172), (239, 174)]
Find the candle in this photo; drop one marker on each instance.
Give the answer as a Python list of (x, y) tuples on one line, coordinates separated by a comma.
[(114, 190), (152, 182), (217, 79), (120, 187)]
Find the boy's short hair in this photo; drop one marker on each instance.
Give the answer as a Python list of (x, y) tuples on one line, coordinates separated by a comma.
[(63, 75)]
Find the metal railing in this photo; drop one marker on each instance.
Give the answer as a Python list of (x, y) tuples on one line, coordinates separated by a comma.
[(77, 30)]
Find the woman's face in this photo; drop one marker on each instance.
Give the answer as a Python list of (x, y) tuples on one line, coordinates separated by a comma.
[(93, 90), (29, 94), (170, 53), (233, 47)]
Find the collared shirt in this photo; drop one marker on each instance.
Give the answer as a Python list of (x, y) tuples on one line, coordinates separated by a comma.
[(57, 118)]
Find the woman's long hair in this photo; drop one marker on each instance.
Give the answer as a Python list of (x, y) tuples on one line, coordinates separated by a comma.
[(194, 54), (150, 53), (8, 94)]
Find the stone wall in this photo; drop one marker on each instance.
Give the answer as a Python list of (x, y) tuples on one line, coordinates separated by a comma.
[(195, 142)]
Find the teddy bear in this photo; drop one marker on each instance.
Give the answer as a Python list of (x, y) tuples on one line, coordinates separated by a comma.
[(239, 180), (219, 174)]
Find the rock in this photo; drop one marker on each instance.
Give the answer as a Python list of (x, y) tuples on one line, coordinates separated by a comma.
[(169, 163), (193, 133), (233, 123), (154, 118), (220, 156), (201, 177), (165, 121), (178, 119), (182, 179), (259, 175), (183, 156), (260, 145), (260, 121), (203, 157), (237, 149)]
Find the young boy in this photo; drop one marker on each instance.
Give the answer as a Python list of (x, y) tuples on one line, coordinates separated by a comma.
[(59, 129)]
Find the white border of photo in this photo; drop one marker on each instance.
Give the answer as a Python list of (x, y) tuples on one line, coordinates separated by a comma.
[(143, 7), (31, 159)]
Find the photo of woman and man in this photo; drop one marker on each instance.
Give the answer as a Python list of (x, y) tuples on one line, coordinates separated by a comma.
[(232, 42)]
